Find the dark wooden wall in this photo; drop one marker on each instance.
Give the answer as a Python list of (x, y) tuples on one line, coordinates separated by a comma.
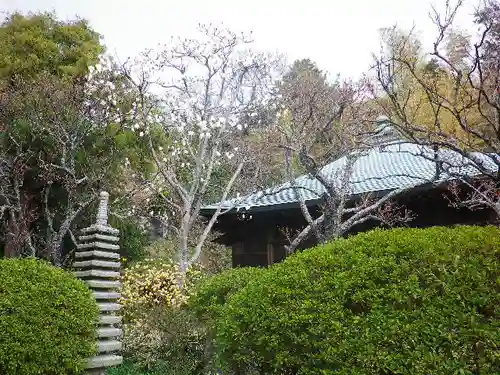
[(261, 242)]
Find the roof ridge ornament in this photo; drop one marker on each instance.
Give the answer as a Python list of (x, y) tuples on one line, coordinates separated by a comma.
[(385, 133)]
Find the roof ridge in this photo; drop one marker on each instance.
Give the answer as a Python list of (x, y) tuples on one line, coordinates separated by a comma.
[(385, 133)]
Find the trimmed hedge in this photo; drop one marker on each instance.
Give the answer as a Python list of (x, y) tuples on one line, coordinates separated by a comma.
[(210, 297), (48, 319), (208, 303), (402, 301)]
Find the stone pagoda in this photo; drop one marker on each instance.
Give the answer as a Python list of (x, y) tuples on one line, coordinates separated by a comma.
[(97, 262)]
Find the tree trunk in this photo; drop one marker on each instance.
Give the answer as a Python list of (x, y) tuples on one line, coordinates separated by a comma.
[(13, 239), (55, 250), (184, 240), (56, 245)]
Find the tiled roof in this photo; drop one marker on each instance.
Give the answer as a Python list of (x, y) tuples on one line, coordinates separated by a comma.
[(388, 166)]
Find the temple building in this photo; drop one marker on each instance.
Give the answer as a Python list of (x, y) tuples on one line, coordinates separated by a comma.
[(255, 226)]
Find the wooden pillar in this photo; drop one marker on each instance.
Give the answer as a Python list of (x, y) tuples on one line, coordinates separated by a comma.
[(270, 253), (270, 248), (97, 262)]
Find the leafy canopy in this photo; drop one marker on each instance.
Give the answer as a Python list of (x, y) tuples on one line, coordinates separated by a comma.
[(40, 42)]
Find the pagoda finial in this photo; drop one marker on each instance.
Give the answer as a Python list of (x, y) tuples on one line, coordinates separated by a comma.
[(102, 211)]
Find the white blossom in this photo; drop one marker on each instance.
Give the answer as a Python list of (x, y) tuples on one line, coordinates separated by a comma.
[(202, 125)]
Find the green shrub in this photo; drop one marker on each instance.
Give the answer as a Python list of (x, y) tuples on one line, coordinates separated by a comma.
[(48, 319), (129, 368), (210, 297), (403, 301), (133, 239), (208, 302)]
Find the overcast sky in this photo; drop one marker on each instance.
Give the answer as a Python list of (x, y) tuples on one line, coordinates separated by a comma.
[(340, 35)]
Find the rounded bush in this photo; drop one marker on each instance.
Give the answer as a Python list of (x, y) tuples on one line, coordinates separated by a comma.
[(208, 303), (48, 319), (210, 297), (402, 301)]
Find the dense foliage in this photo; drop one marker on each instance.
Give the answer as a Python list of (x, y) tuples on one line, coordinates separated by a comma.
[(170, 330), (48, 319), (155, 283), (157, 328), (213, 293), (133, 239), (41, 43), (208, 302), (404, 301), (129, 368), (65, 132)]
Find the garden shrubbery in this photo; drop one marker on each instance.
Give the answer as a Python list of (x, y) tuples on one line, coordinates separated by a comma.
[(211, 296), (158, 328), (169, 330), (209, 301), (48, 319), (386, 302), (402, 301)]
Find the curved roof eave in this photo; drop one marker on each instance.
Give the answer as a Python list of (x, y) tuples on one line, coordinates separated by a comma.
[(381, 169)]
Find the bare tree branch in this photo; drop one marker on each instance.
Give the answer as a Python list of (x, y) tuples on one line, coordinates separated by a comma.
[(463, 93)]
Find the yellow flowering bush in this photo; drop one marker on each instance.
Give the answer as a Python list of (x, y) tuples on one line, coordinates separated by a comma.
[(156, 325), (153, 283)]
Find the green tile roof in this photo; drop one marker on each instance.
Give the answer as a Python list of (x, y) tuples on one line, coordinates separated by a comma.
[(390, 165)]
